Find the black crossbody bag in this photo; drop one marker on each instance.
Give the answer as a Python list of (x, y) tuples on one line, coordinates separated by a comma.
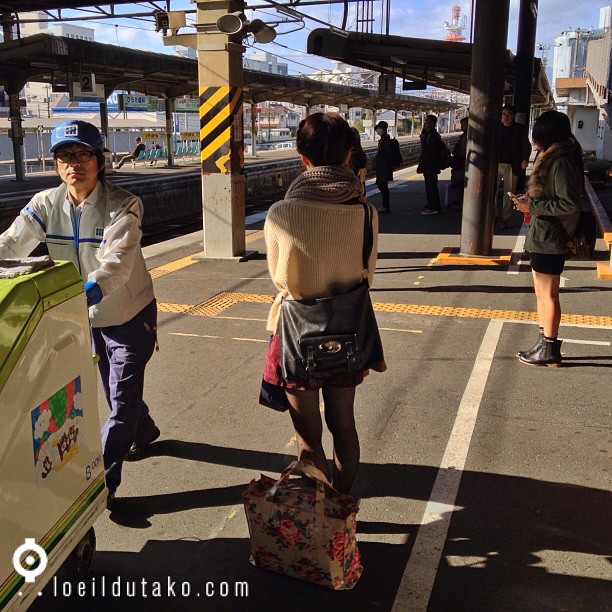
[(332, 336)]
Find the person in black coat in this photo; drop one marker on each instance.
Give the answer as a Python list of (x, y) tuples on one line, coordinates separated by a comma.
[(429, 163), (384, 164)]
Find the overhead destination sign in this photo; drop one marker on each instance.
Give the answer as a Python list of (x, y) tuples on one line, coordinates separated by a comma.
[(187, 105)]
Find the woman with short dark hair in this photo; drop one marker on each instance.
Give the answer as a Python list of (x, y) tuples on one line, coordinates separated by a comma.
[(553, 201), (314, 239)]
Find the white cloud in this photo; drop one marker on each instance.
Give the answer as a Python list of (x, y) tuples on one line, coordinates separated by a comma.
[(42, 423)]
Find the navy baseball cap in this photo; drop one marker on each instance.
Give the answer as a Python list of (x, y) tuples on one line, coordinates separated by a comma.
[(76, 132), (382, 124)]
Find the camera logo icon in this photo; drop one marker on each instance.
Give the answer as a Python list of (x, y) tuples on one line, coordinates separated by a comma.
[(30, 546)]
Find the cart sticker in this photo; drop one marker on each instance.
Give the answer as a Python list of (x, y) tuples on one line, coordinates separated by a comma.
[(56, 424)]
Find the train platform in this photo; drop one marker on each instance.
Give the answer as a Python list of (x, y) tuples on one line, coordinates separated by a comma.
[(485, 483)]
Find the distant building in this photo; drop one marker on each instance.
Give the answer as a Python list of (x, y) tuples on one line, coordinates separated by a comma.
[(581, 83), (265, 62)]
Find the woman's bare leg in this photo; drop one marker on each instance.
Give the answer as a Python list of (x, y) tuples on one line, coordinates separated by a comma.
[(340, 418), (547, 295), (306, 417)]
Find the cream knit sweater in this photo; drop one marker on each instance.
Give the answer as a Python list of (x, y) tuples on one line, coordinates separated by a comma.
[(315, 249)]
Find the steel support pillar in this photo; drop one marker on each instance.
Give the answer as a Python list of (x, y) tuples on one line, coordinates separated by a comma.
[(220, 80), (525, 49), (104, 120), (486, 97), (168, 110)]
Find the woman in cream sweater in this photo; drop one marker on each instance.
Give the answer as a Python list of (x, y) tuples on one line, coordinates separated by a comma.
[(314, 240)]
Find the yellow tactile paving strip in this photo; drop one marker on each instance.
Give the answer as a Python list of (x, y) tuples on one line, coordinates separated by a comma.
[(222, 301), (173, 266), (254, 236)]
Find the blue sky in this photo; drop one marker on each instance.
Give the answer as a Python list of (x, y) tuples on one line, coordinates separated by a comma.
[(412, 18)]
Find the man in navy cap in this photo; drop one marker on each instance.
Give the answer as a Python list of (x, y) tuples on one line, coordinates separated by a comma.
[(97, 227)]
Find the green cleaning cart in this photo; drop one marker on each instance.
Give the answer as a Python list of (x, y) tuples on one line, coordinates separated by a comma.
[(52, 485)]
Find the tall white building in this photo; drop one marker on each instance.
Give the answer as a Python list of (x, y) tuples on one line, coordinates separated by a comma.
[(572, 87)]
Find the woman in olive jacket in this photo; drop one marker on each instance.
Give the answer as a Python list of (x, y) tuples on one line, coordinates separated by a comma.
[(553, 201)]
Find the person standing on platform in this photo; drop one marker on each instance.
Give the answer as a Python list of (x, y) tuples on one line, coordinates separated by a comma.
[(133, 156), (384, 165), (457, 163), (97, 226), (359, 161), (429, 163), (553, 200), (314, 238), (514, 153)]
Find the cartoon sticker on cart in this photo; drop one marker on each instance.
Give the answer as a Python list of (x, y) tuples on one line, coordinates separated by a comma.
[(56, 425)]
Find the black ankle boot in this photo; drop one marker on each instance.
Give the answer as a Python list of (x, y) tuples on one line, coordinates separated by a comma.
[(549, 354), (534, 348)]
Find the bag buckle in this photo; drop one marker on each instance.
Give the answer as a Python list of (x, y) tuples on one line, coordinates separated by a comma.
[(330, 347)]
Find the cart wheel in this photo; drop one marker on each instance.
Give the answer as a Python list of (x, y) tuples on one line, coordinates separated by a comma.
[(81, 558)]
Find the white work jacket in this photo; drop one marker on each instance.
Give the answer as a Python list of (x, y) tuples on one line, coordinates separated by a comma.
[(101, 238)]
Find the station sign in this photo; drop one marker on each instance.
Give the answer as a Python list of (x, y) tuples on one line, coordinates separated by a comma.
[(78, 95), (158, 135), (189, 135), (187, 105)]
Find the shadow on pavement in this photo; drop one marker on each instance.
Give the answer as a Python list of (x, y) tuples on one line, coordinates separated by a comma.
[(514, 543)]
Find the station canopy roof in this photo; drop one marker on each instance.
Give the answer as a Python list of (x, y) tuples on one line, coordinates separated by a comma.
[(59, 60), (439, 63)]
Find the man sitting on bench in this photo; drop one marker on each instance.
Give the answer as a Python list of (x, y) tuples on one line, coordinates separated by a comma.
[(133, 156)]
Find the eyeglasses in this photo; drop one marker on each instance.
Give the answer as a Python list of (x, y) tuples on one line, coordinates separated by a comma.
[(80, 156)]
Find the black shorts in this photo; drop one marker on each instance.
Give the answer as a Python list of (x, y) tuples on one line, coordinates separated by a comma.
[(547, 264)]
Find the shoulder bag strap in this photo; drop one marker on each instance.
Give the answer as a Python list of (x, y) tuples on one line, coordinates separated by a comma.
[(368, 235)]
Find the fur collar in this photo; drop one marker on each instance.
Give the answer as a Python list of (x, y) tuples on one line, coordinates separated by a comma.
[(543, 163)]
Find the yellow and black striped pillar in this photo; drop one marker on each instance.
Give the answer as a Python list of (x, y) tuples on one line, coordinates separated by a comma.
[(220, 80), (221, 130)]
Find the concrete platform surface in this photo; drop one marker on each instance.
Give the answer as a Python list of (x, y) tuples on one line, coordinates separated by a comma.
[(485, 483)]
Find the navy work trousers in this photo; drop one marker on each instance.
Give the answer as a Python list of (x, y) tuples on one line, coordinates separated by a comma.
[(124, 351)]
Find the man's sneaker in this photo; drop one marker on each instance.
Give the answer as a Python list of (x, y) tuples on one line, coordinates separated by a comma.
[(137, 450), (430, 211)]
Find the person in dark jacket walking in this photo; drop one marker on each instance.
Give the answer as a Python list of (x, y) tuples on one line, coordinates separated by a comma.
[(384, 164), (553, 201), (429, 163)]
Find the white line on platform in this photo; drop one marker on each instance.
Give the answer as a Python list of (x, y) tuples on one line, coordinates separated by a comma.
[(517, 252), (415, 587), (595, 342)]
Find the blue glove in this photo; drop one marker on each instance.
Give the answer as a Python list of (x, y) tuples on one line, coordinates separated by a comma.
[(93, 293)]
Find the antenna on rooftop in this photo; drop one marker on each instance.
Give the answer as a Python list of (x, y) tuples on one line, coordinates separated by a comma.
[(456, 26)]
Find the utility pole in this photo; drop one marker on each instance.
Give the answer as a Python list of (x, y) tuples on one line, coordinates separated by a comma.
[(220, 81), (13, 90)]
